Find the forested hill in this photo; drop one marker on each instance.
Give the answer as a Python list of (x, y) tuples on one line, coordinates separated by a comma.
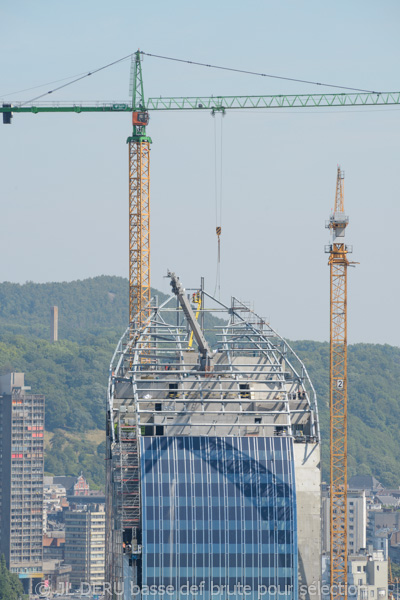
[(373, 406), (73, 375), (98, 306)]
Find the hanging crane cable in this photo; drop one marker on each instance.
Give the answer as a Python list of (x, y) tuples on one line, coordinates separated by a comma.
[(218, 199)]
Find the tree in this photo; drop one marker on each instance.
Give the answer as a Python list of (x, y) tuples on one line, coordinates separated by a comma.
[(10, 586)]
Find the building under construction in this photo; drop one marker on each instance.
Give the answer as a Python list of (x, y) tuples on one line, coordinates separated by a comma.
[(213, 456)]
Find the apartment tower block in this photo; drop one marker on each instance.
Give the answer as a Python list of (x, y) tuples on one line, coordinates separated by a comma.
[(21, 471)]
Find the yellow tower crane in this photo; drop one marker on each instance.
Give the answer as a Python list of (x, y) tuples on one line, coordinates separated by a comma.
[(338, 263), (139, 153), (139, 203)]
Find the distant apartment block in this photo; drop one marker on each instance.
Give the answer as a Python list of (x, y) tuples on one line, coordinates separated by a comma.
[(356, 522), (54, 546), (368, 576), (382, 524), (21, 471), (85, 545)]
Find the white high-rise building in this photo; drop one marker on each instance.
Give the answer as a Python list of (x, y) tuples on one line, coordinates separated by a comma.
[(356, 522)]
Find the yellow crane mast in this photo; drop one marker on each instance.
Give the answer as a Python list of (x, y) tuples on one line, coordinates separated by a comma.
[(338, 263), (139, 203)]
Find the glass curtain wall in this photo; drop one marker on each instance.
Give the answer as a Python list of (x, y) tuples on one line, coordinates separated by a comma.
[(219, 518)]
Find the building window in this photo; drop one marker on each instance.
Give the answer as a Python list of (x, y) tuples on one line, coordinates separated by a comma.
[(359, 569)]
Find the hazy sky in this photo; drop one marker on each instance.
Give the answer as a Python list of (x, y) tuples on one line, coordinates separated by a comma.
[(64, 179)]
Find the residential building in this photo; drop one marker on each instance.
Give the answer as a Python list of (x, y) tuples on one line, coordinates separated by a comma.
[(57, 575), (356, 521), (85, 544), (380, 541), (74, 486), (368, 576), (382, 523), (54, 547), (54, 499), (394, 546), (387, 500), (21, 470)]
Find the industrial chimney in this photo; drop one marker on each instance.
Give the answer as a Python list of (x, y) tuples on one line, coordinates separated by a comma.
[(54, 323)]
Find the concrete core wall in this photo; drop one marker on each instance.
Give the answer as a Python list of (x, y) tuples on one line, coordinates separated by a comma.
[(308, 492)]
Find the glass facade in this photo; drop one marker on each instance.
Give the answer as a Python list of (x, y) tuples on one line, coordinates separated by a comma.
[(219, 517)]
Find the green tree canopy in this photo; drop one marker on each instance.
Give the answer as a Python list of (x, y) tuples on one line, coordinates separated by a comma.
[(10, 585)]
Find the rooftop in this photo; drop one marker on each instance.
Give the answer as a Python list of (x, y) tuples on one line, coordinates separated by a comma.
[(235, 376)]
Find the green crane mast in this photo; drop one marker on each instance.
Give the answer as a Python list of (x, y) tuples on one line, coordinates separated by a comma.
[(139, 204)]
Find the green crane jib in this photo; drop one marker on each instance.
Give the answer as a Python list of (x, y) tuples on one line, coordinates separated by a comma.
[(215, 103)]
